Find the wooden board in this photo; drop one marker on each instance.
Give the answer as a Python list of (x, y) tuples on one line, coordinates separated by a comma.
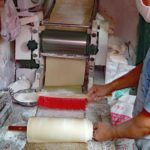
[(56, 146), (71, 12)]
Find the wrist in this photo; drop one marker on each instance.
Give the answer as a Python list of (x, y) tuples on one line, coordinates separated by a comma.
[(110, 87), (114, 133)]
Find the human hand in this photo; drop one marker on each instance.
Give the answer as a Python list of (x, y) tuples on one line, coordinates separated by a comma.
[(103, 131), (99, 91)]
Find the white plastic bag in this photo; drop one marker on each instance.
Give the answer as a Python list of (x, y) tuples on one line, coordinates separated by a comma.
[(121, 111), (10, 21), (7, 67), (19, 85), (115, 70), (28, 73), (122, 103)]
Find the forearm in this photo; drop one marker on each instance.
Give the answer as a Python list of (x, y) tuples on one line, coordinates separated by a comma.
[(130, 79), (137, 127)]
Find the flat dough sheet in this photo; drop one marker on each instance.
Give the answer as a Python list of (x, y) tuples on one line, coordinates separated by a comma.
[(64, 72), (71, 12), (56, 146)]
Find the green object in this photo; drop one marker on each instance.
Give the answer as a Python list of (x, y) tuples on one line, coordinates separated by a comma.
[(143, 40), (29, 64), (91, 50), (32, 45), (121, 92)]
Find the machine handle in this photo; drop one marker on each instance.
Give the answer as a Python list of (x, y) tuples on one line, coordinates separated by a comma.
[(17, 128)]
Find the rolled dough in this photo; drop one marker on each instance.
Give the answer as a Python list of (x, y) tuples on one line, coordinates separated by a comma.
[(44, 130), (64, 72)]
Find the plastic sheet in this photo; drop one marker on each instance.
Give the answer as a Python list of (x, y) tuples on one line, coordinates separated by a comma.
[(7, 67), (10, 21)]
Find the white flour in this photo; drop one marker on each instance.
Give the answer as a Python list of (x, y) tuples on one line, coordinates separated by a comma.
[(26, 97)]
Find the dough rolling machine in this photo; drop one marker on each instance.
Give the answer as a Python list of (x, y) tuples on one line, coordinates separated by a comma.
[(61, 46), (69, 42), (68, 45)]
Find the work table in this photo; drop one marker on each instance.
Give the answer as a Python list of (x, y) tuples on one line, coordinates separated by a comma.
[(15, 140), (20, 115)]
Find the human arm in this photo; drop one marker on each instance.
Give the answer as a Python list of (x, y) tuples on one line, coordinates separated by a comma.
[(137, 127), (130, 79)]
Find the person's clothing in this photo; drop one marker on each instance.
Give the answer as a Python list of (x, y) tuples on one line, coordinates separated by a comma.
[(143, 99), (142, 144), (143, 94)]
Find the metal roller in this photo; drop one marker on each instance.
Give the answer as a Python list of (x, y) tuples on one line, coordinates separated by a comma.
[(64, 42)]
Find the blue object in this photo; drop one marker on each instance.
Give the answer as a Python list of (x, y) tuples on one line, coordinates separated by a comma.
[(143, 94)]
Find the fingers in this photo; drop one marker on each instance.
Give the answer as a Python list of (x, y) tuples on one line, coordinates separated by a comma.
[(96, 125), (102, 131), (97, 131), (96, 93), (95, 128), (92, 91), (95, 134), (91, 97)]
